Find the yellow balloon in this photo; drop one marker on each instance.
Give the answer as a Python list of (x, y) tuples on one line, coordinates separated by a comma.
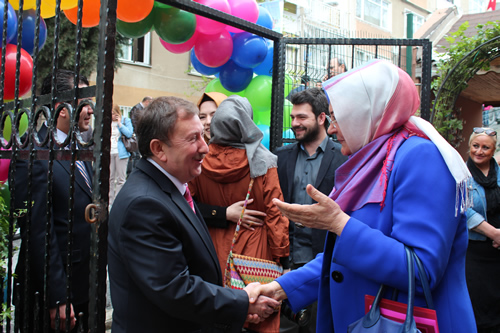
[(47, 10), (65, 4), (28, 4)]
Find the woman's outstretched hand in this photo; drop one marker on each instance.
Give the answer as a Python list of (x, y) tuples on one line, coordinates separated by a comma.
[(326, 214)]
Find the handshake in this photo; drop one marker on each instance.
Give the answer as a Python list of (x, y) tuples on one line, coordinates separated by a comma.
[(265, 299)]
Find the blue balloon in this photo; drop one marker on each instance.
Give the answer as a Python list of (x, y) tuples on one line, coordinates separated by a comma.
[(29, 25), (202, 69), (265, 19), (249, 50), (266, 139), (288, 134), (235, 78), (266, 67), (11, 21)]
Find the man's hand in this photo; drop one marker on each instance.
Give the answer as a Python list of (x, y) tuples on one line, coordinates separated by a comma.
[(251, 218), (260, 307), (62, 316)]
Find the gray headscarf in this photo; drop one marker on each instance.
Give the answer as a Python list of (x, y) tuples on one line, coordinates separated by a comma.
[(232, 125)]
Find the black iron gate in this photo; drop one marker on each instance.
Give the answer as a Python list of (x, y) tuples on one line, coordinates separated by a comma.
[(44, 110)]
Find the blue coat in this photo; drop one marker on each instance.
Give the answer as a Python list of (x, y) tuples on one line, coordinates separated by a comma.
[(126, 130), (419, 212), (477, 214)]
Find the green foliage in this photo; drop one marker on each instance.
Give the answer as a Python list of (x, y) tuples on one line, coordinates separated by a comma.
[(446, 117), (67, 45)]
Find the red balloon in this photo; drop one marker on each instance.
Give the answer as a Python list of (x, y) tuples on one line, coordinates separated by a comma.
[(4, 169), (214, 50), (132, 11), (90, 16), (25, 72), (183, 47)]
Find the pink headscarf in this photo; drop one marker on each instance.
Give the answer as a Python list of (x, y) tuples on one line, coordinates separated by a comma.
[(373, 105)]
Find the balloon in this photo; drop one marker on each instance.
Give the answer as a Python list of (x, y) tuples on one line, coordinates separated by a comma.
[(266, 67), (258, 93), (265, 19), (7, 128), (288, 134), (29, 26), (11, 21), (244, 9), (202, 69), (249, 50), (25, 75), (287, 110), (174, 26), (90, 15), (214, 50), (262, 118), (161, 6), (27, 4), (137, 29), (208, 26), (47, 10), (132, 10), (215, 85), (265, 130), (183, 47), (65, 4), (4, 188), (233, 77)]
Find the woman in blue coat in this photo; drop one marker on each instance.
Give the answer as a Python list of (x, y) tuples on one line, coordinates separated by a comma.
[(403, 184), (120, 127), (483, 219)]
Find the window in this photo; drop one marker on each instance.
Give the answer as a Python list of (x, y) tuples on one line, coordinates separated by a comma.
[(477, 6), (374, 11), (138, 50), (417, 21)]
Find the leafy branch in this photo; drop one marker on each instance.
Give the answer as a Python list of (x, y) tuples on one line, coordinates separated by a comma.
[(459, 53)]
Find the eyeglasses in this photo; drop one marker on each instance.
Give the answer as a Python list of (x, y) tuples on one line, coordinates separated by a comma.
[(487, 131), (331, 121)]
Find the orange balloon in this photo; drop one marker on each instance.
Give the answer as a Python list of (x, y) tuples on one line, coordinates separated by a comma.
[(132, 11), (90, 15)]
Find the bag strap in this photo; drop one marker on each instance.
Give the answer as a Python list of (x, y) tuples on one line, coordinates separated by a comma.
[(238, 226), (424, 281), (409, 325)]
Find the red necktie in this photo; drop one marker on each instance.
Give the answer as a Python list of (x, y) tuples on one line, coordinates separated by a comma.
[(189, 198)]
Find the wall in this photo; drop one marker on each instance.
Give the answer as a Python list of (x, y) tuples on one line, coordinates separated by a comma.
[(472, 115)]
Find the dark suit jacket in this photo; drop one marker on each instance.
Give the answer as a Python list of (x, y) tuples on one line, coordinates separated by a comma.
[(325, 180), (58, 229), (163, 268)]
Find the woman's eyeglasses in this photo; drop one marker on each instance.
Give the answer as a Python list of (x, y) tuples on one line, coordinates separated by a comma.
[(487, 131), (331, 121)]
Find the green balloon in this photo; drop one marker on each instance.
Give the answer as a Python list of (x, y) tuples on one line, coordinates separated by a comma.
[(259, 92), (174, 26), (7, 128), (161, 5), (216, 86), (137, 29), (287, 110), (262, 117)]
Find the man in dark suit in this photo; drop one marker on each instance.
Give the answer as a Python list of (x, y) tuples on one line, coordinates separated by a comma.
[(58, 207), (163, 269), (136, 111), (313, 159)]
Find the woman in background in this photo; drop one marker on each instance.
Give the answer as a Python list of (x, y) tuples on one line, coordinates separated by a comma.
[(121, 126), (235, 156), (483, 220)]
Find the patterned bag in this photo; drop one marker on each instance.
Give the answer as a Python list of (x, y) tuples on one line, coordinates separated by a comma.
[(242, 270)]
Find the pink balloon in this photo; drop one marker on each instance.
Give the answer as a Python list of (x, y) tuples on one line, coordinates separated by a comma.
[(183, 47), (4, 169), (210, 27), (244, 9), (214, 50)]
